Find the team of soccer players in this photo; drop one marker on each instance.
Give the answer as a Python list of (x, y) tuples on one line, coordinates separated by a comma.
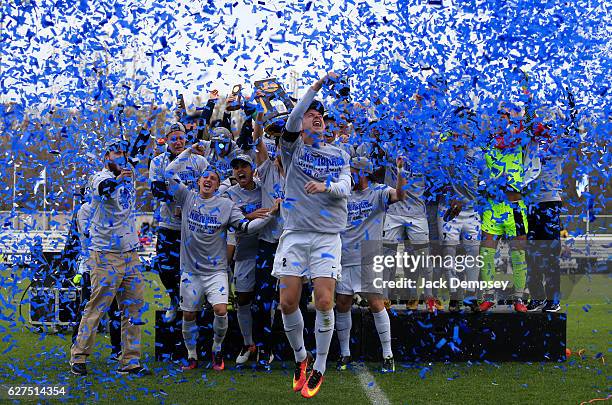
[(306, 206)]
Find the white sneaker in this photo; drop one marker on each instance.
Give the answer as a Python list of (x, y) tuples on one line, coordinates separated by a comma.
[(170, 315), (247, 352)]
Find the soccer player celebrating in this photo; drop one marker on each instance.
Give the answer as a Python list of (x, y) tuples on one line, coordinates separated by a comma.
[(316, 190), (206, 216), (220, 151), (556, 140), (169, 232), (407, 220), (247, 196), (458, 220), (272, 178), (366, 210), (505, 213)]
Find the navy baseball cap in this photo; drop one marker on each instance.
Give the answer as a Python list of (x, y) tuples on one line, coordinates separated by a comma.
[(176, 127), (115, 145), (317, 106)]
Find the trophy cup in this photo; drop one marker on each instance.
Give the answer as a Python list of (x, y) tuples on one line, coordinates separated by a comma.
[(181, 110), (237, 103), (275, 103)]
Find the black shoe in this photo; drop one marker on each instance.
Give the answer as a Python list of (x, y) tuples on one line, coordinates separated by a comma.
[(138, 371), (115, 356), (345, 363), (551, 306), (454, 306), (265, 360), (388, 365), (78, 369), (534, 305), (471, 303)]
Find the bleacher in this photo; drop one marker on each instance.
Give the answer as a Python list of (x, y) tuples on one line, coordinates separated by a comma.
[(15, 246)]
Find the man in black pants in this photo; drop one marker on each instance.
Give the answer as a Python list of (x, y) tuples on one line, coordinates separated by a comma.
[(544, 215), (168, 246)]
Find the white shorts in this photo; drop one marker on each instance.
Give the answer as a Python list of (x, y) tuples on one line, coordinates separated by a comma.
[(350, 282), (464, 227), (308, 254), (398, 228), (355, 279), (244, 275), (194, 288)]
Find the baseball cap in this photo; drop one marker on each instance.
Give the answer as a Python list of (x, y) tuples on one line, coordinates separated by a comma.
[(362, 163), (318, 106), (115, 145), (241, 158), (220, 134), (329, 117), (176, 127)]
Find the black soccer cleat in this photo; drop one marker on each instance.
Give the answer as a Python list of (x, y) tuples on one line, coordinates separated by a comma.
[(551, 306), (345, 363), (138, 371), (79, 369), (535, 305), (388, 365), (454, 306)]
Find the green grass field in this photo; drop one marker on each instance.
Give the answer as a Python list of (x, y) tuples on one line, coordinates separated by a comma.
[(29, 358)]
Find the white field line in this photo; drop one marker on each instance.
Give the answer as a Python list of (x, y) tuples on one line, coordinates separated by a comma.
[(372, 390)]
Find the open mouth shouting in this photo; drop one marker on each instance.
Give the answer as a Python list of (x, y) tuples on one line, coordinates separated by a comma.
[(207, 185)]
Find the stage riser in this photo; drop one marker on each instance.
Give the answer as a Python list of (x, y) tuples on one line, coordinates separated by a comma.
[(417, 337)]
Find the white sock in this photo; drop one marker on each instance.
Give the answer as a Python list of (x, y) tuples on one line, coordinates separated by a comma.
[(190, 336), (344, 322), (324, 330), (383, 327), (425, 271), (294, 329), (245, 321), (219, 329)]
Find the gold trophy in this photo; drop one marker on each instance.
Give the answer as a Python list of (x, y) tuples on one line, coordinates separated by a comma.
[(237, 103), (275, 103), (181, 109)]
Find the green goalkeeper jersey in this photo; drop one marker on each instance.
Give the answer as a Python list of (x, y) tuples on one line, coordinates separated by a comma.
[(506, 168)]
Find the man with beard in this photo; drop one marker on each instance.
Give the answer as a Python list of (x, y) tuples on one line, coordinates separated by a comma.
[(114, 263)]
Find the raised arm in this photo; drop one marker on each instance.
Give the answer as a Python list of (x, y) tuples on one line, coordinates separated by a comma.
[(293, 127), (399, 193), (176, 188), (261, 154)]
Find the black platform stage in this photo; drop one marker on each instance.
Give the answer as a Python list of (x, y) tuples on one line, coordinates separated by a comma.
[(417, 337)]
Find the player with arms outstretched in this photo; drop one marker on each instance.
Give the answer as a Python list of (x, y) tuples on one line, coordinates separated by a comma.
[(317, 186)]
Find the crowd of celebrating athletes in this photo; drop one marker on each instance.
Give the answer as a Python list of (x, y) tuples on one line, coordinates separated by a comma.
[(284, 212)]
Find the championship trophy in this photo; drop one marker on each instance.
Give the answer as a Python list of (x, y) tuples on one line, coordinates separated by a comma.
[(181, 110), (237, 103), (275, 103)]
